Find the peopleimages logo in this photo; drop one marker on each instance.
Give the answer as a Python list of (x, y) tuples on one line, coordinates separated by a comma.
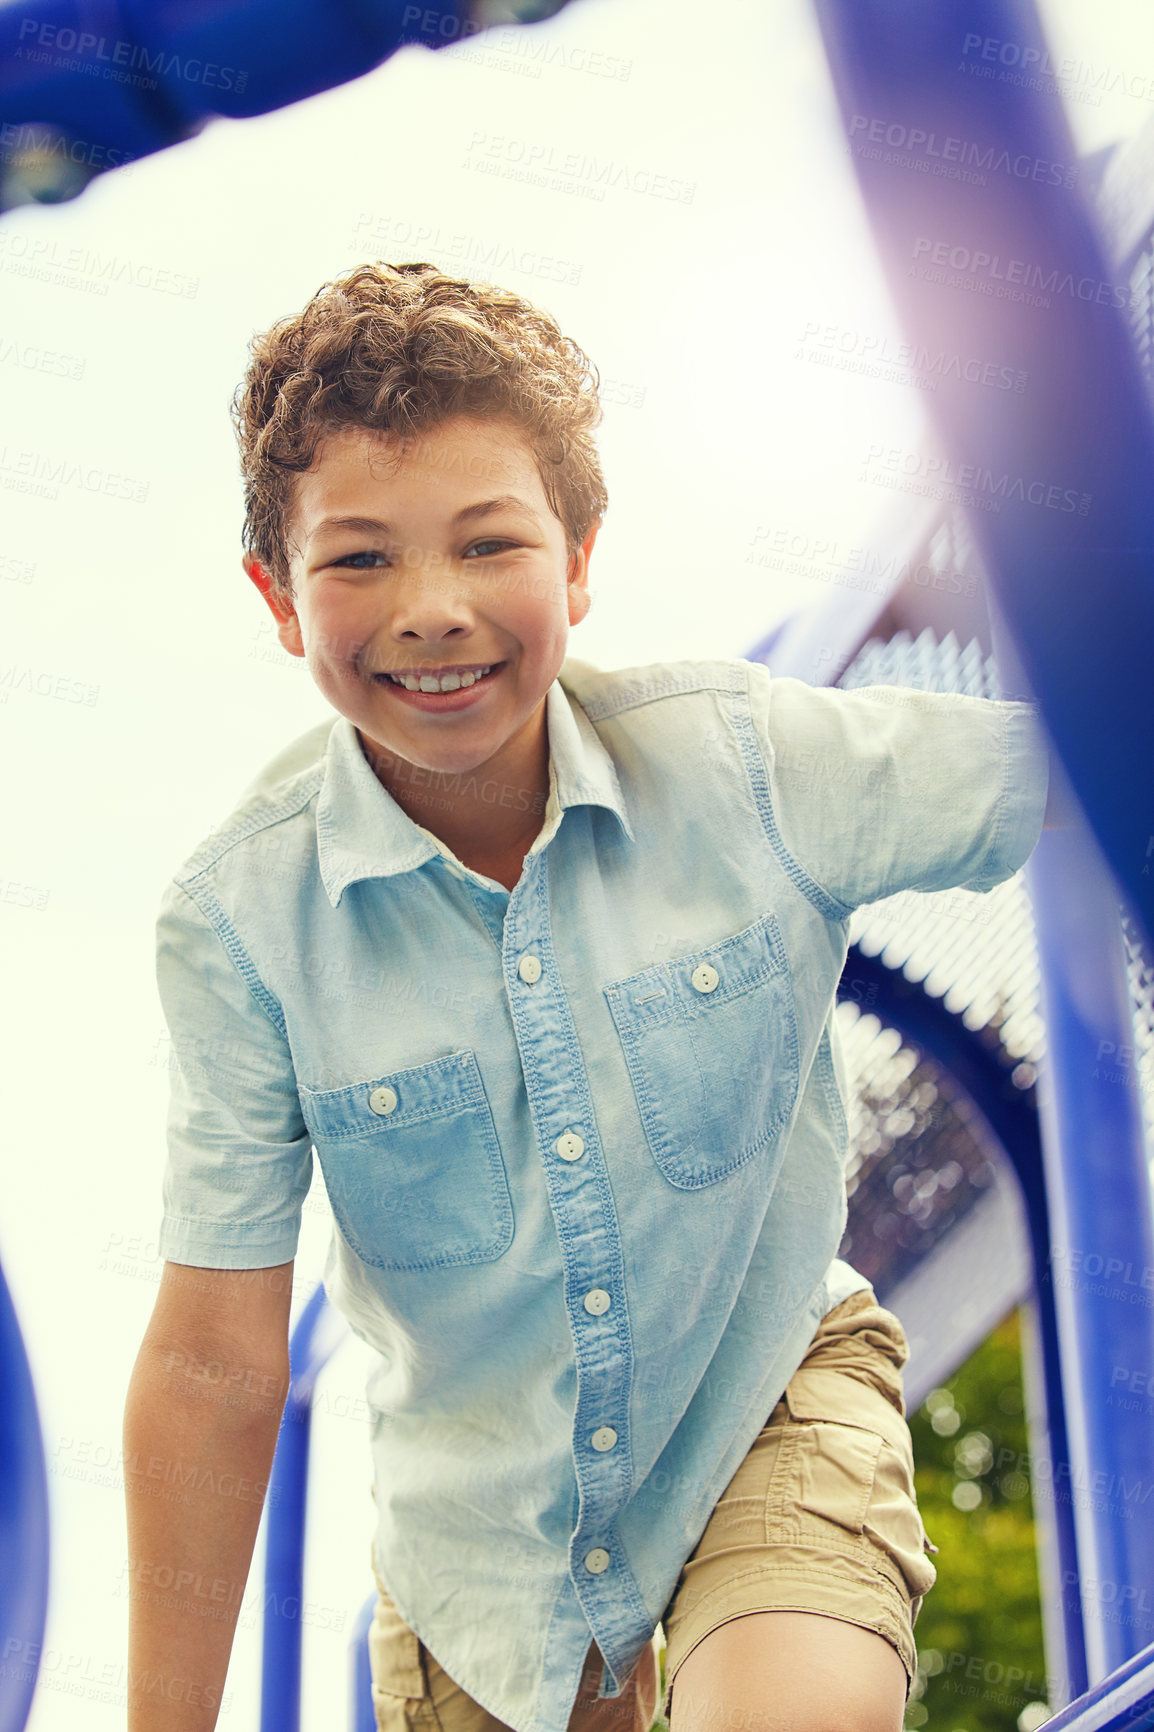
[(941, 478), (119, 60), (456, 250), (573, 171), (72, 266), (1026, 64), (993, 268), (871, 354), (36, 138), (38, 473), (919, 148)]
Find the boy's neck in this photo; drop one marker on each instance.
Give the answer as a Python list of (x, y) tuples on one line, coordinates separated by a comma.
[(489, 817)]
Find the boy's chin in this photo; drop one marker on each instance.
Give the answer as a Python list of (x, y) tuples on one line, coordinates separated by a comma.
[(383, 746)]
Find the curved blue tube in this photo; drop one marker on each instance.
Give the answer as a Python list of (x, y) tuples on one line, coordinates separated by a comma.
[(1098, 1183), (120, 80), (316, 1337), (1011, 1117), (1123, 1702), (974, 192), (23, 1525), (362, 1715)]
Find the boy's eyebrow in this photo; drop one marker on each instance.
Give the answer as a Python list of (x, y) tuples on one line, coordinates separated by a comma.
[(363, 525), (483, 508), (467, 514)]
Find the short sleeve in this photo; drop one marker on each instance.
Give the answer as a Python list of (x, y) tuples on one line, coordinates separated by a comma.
[(885, 788), (239, 1153)]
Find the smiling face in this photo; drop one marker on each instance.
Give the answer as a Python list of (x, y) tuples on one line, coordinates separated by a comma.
[(438, 564)]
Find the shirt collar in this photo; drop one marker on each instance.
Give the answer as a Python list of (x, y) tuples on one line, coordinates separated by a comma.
[(363, 833)]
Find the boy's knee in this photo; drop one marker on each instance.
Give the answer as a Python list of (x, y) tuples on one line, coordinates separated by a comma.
[(725, 1713), (864, 1693)]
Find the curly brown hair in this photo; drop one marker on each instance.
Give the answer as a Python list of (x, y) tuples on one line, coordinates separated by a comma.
[(400, 348)]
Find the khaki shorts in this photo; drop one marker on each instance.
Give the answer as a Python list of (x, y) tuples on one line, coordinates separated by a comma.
[(413, 1693), (821, 1516)]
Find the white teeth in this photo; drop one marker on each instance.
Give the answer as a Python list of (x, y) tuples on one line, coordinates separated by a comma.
[(431, 683)]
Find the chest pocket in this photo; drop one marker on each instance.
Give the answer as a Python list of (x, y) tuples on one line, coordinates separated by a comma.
[(710, 1041), (413, 1167)]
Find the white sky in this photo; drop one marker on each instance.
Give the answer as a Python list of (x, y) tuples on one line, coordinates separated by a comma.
[(714, 430)]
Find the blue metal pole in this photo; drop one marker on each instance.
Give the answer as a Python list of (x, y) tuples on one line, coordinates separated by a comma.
[(284, 1573), (23, 1525), (1123, 1702), (1101, 1210), (314, 1340), (362, 1714), (1011, 1118), (179, 67), (169, 67), (1098, 1183), (972, 186)]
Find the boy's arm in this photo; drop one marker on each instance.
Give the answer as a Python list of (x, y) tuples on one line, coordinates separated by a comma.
[(879, 789), (200, 1429)]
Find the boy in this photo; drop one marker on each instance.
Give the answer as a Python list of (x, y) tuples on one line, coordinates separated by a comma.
[(542, 962)]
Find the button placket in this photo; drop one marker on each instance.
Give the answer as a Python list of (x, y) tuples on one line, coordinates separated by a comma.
[(561, 1104)]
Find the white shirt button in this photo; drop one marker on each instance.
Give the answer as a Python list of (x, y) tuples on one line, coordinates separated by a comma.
[(704, 978), (604, 1438), (383, 1101), (597, 1301), (597, 1561), (569, 1146), (529, 968)]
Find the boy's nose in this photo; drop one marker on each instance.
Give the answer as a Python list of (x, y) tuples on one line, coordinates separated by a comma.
[(428, 601)]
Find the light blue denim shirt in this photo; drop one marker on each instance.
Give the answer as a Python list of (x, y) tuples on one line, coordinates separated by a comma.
[(584, 1142)]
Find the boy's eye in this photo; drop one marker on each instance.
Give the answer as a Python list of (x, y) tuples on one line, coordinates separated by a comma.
[(353, 559), (487, 549)]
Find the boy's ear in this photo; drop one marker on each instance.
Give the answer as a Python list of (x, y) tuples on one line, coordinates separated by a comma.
[(282, 610), (578, 578)]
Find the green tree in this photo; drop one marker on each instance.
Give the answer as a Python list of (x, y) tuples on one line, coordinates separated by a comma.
[(981, 1664)]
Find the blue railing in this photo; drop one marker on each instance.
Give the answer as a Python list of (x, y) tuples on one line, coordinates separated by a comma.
[(1069, 465), (973, 189), (23, 1525), (1123, 1702), (1011, 1121), (193, 64), (317, 1335)]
